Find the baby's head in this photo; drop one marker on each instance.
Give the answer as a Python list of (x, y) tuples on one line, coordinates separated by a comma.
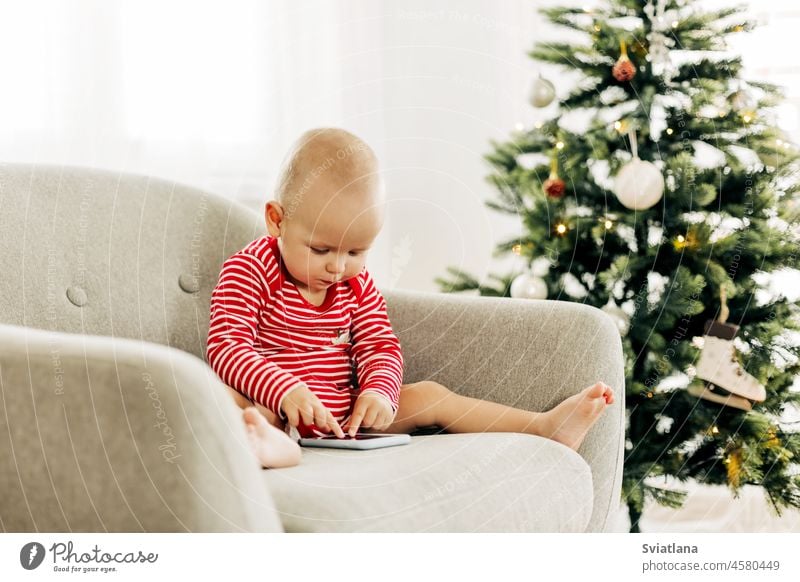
[(328, 207)]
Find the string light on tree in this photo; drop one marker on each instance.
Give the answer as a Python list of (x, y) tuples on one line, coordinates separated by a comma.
[(743, 103), (688, 241), (621, 126)]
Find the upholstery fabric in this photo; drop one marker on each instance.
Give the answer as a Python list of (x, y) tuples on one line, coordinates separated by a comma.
[(105, 283), (490, 482)]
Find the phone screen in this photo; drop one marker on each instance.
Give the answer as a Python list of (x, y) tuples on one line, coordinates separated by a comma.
[(358, 437)]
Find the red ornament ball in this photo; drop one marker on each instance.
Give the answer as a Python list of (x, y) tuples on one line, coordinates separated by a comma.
[(623, 70), (555, 187)]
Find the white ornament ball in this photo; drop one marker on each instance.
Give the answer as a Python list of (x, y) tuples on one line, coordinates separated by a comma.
[(621, 319), (528, 286), (639, 185), (742, 101), (542, 92)]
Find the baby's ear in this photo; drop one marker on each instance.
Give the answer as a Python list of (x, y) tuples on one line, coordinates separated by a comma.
[(273, 215)]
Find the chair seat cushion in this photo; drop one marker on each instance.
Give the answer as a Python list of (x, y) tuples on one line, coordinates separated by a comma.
[(487, 482)]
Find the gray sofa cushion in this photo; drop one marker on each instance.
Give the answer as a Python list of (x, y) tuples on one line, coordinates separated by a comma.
[(491, 482)]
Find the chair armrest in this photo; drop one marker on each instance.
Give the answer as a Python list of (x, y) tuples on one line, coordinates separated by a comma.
[(524, 353), (107, 434)]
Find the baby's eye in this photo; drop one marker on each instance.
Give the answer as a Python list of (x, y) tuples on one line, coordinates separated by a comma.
[(319, 251), (356, 253)]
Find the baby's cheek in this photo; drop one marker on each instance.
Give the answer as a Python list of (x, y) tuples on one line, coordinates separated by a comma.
[(358, 266)]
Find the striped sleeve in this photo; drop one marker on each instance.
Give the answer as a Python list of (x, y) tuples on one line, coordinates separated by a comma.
[(376, 349), (236, 302)]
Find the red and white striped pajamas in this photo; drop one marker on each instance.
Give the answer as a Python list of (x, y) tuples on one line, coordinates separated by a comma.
[(264, 337)]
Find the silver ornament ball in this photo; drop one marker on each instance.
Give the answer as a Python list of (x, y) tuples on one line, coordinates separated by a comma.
[(528, 286), (542, 92), (639, 185)]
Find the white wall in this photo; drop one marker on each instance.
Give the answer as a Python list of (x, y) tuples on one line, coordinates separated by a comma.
[(455, 75)]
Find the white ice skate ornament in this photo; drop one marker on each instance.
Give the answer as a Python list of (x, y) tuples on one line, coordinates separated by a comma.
[(730, 384), (707, 392), (718, 365)]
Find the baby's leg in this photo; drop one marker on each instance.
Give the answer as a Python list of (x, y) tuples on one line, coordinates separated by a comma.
[(417, 409), (429, 403), (243, 402), (265, 433), (271, 446)]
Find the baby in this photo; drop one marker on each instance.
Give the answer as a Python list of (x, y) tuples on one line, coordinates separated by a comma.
[(300, 333)]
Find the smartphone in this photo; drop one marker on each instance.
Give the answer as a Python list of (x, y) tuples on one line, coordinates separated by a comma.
[(361, 441)]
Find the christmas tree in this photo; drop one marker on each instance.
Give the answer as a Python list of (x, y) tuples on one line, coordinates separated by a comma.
[(662, 192)]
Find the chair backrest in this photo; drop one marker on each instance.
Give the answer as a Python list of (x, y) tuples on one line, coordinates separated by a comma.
[(107, 253)]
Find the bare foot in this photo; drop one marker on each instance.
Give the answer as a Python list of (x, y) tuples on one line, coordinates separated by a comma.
[(271, 446), (569, 422)]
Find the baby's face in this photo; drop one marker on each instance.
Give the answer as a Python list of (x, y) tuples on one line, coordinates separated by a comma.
[(322, 243)]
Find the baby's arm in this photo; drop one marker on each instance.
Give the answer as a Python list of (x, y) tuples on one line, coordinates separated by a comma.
[(376, 349), (236, 301)]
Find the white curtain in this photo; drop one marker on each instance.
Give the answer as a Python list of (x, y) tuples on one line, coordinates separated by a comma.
[(210, 93)]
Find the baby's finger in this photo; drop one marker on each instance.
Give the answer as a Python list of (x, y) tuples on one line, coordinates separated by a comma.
[(371, 416), (334, 426), (292, 417), (307, 414), (321, 414), (386, 421), (355, 421)]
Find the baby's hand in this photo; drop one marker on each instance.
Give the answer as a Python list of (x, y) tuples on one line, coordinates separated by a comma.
[(371, 410), (301, 402)]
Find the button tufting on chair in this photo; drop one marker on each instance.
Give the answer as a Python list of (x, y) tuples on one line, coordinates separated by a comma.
[(189, 283), (77, 296)]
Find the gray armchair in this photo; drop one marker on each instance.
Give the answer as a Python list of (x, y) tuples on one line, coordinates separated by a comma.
[(110, 419)]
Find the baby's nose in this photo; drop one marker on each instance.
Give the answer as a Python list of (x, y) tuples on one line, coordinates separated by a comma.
[(336, 267)]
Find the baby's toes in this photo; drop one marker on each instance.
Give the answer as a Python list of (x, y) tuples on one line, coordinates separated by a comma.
[(255, 420), (252, 435), (251, 415), (595, 391)]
